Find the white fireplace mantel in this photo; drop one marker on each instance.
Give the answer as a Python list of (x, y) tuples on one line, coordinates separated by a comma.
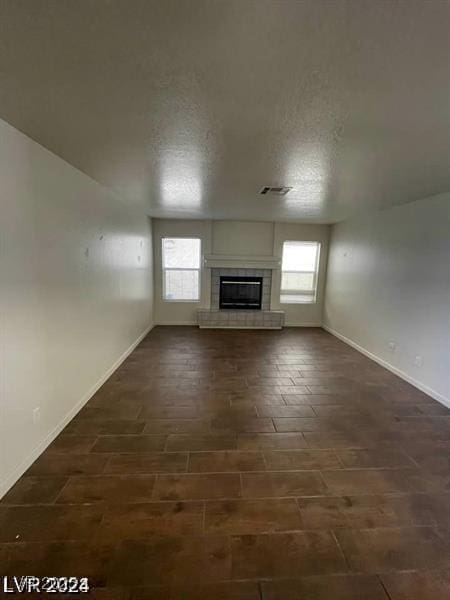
[(240, 262)]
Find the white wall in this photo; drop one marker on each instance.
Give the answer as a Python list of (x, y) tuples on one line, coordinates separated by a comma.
[(389, 280), (238, 238), (242, 238), (76, 290)]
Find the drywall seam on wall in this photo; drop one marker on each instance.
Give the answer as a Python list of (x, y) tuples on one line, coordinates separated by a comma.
[(11, 479), (423, 388)]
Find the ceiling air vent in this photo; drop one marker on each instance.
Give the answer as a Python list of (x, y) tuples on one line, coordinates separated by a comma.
[(278, 191)]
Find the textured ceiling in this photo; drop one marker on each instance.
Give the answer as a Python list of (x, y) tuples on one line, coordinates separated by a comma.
[(188, 107)]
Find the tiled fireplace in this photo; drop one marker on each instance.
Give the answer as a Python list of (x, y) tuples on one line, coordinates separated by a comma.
[(240, 317), (265, 274)]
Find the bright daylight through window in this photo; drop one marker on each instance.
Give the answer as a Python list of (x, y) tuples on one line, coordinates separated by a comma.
[(299, 272), (181, 269)]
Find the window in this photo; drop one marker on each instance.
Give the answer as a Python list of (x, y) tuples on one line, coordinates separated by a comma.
[(299, 269), (181, 269)]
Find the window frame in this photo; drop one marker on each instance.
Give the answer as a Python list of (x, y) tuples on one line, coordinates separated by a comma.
[(315, 272), (164, 269)]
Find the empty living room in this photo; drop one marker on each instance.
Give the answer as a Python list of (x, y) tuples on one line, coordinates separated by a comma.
[(225, 299)]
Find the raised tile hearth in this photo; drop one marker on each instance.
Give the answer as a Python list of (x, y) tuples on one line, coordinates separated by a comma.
[(240, 319)]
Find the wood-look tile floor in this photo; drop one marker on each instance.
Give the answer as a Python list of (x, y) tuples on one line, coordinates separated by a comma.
[(242, 465)]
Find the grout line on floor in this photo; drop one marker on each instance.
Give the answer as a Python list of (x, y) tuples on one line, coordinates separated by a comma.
[(204, 518), (378, 576), (341, 551)]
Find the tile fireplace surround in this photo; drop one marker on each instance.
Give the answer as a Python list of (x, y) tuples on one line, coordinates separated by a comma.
[(241, 319)]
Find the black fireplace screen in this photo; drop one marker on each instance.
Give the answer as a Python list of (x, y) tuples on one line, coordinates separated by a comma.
[(240, 292)]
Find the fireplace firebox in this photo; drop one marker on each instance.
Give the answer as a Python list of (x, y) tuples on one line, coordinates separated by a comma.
[(240, 292)]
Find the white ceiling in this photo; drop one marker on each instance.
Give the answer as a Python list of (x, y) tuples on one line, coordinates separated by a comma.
[(189, 107)]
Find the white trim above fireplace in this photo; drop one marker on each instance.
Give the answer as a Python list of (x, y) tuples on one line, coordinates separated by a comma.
[(241, 262)]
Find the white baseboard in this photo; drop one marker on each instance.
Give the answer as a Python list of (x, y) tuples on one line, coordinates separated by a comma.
[(421, 386), (190, 323), (303, 324), (11, 479), (237, 327), (176, 323)]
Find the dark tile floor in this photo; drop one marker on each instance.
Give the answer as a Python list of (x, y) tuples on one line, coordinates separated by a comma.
[(242, 465)]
